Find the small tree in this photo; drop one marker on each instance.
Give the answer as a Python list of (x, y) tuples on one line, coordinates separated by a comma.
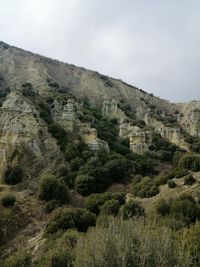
[(189, 180), (14, 175), (171, 184), (162, 207), (8, 200), (53, 188), (131, 209), (85, 184)]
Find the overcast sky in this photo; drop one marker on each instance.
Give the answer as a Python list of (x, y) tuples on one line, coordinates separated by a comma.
[(152, 44)]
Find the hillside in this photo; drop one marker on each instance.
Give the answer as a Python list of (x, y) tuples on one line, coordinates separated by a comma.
[(67, 133)]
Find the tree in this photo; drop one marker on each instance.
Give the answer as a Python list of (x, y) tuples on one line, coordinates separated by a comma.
[(162, 207), (14, 175), (70, 218), (85, 184), (131, 209), (53, 188), (8, 200), (110, 207)]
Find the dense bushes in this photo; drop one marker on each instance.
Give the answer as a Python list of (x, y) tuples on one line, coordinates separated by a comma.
[(132, 209), (59, 133), (190, 161), (85, 184), (126, 243), (180, 172), (145, 188), (100, 171), (110, 207), (8, 200), (14, 175), (163, 177), (183, 209), (162, 207), (95, 202), (18, 259), (70, 218), (165, 150), (53, 188)]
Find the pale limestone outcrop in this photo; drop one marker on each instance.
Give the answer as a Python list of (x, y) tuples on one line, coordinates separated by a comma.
[(189, 117), (23, 134), (173, 135), (139, 139), (89, 136), (68, 117), (110, 109)]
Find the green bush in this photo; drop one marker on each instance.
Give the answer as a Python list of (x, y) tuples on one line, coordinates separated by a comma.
[(18, 259), (145, 188), (76, 163), (62, 171), (59, 133), (110, 207), (190, 161), (14, 175), (94, 202), (53, 188), (185, 210), (171, 184), (163, 177), (70, 218), (8, 200), (85, 184), (162, 207), (189, 180), (180, 172), (132, 209)]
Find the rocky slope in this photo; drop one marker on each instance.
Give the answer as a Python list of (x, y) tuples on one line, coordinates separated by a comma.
[(46, 105), (23, 133)]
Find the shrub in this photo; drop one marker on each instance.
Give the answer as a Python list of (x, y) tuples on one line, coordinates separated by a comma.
[(162, 207), (62, 170), (117, 168), (110, 207), (171, 184), (85, 184), (180, 172), (185, 210), (71, 152), (51, 205), (59, 133), (131, 209), (70, 218), (94, 202), (163, 177), (14, 175), (145, 188), (53, 188), (190, 161), (189, 246), (18, 259), (76, 163), (8, 200), (189, 180)]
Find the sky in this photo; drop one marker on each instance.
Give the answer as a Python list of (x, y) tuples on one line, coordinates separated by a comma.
[(154, 45)]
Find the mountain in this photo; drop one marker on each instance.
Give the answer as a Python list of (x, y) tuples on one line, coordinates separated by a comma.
[(55, 118)]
